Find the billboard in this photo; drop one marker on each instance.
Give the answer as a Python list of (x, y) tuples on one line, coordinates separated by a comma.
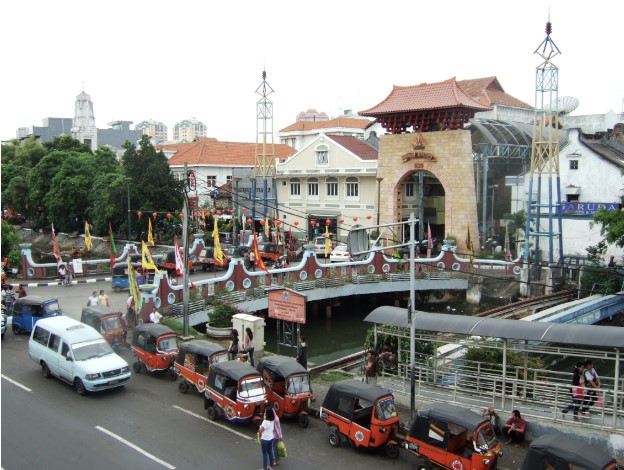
[(287, 305)]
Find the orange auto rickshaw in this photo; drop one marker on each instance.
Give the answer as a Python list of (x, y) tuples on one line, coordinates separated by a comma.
[(288, 387), (108, 322), (453, 437), (193, 362), (155, 346), (363, 414)]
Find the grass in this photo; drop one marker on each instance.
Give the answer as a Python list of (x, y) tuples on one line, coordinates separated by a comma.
[(331, 376), (179, 328)]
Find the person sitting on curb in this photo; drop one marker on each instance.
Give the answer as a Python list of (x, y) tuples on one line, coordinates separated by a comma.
[(490, 413), (515, 429)]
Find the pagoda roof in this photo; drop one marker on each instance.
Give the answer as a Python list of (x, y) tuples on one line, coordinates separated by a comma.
[(488, 91), (341, 121), (426, 96), (210, 151)]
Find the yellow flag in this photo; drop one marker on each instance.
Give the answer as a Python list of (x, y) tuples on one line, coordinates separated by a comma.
[(146, 258), (218, 253), (469, 246), (327, 241), (267, 229), (88, 242), (150, 238)]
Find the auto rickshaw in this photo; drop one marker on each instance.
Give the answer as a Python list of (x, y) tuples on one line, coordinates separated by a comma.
[(559, 452), (235, 390), (453, 437), (107, 322), (288, 387), (193, 362), (120, 280), (28, 310), (364, 414), (155, 347)]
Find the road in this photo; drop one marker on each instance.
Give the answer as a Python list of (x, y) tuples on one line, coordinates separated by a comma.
[(148, 424)]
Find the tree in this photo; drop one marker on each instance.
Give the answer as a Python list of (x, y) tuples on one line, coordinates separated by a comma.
[(106, 200), (611, 226), (40, 179), (67, 143), (15, 195), (9, 238)]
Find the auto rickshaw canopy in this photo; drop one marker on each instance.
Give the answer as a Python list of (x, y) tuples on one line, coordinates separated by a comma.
[(282, 365), (451, 414), (560, 451), (96, 311), (153, 330), (235, 370), (51, 304), (199, 346), (353, 388)]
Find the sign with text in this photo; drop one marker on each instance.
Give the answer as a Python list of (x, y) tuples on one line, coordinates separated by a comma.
[(287, 305), (587, 208)]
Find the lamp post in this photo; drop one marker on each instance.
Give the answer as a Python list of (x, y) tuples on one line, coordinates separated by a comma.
[(379, 180), (128, 180), (494, 186), (235, 220)]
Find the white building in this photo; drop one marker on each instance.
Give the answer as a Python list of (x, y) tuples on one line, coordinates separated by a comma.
[(155, 129), (189, 130)]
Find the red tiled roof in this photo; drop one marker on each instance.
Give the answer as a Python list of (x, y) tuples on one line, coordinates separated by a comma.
[(342, 121), (209, 151), (489, 91), (356, 146), (440, 95)]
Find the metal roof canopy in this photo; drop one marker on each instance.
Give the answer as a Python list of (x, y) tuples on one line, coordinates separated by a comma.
[(563, 333)]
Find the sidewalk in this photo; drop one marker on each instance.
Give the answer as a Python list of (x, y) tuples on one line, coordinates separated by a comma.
[(57, 282)]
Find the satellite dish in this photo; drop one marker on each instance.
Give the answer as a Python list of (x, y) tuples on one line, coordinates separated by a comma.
[(567, 104)]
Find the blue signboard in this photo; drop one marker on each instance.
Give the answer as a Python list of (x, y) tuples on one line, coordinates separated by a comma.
[(587, 208)]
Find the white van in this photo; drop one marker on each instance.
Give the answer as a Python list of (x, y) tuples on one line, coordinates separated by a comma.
[(76, 353)]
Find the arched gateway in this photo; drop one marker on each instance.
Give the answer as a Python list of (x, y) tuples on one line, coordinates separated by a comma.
[(426, 122)]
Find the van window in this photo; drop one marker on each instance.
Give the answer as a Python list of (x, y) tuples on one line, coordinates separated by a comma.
[(64, 349), (54, 342), (41, 336)]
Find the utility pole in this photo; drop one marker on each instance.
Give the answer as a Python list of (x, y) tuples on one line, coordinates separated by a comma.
[(185, 239)]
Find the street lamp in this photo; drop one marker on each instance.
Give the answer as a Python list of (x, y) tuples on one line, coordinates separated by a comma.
[(127, 181), (235, 221), (379, 180), (494, 186)]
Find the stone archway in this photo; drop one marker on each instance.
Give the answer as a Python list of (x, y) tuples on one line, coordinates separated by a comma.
[(445, 154)]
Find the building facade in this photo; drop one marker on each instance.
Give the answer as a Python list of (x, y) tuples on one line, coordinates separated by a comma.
[(189, 130)]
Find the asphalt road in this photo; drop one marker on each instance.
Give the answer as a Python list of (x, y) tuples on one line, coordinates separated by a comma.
[(148, 424)]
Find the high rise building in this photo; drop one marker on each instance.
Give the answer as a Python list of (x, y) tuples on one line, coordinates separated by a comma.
[(155, 129), (189, 130)]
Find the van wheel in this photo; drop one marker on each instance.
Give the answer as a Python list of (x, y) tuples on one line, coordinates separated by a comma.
[(117, 289), (45, 370), (80, 388), (212, 413), (183, 387), (136, 367), (17, 329), (304, 421), (392, 451), (334, 439)]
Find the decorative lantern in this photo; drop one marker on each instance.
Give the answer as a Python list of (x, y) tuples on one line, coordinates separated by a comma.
[(155, 214), (181, 215), (278, 223), (248, 221), (296, 222), (341, 221), (328, 222), (262, 222), (244, 209), (368, 217), (232, 211), (139, 214), (218, 212), (169, 215), (313, 223), (354, 219)]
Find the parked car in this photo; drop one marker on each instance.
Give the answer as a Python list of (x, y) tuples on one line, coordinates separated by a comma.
[(193, 362), (168, 263), (4, 324), (155, 346), (340, 254), (559, 451)]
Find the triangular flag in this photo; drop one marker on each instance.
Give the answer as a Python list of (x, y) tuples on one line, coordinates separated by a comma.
[(429, 241), (55, 248), (508, 255), (134, 287), (88, 242), (113, 248), (327, 241), (146, 258), (258, 259), (469, 246), (218, 253), (150, 237)]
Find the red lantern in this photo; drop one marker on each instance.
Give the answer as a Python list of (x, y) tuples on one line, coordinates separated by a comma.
[(296, 222), (232, 211), (248, 221), (169, 215), (181, 215), (341, 221), (155, 214), (328, 222), (313, 223), (368, 217), (354, 219), (278, 223), (262, 222), (139, 214), (244, 209), (218, 212)]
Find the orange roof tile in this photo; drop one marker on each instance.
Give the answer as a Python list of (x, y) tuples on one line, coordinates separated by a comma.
[(489, 91), (356, 146), (342, 121), (440, 95), (209, 151)]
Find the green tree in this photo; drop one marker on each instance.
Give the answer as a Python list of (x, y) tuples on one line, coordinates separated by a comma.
[(107, 201), (40, 179), (9, 238), (15, 195), (66, 143), (611, 226)]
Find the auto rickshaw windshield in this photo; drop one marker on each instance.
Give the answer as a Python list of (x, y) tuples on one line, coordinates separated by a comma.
[(251, 388), (51, 307), (220, 358), (111, 323), (91, 349), (485, 437), (168, 343), (298, 384), (385, 409)]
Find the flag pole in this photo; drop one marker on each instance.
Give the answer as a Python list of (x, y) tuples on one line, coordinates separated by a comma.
[(185, 291)]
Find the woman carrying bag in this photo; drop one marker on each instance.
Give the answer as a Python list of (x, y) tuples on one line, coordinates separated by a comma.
[(279, 448)]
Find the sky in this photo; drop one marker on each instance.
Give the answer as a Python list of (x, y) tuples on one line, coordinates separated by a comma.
[(171, 61)]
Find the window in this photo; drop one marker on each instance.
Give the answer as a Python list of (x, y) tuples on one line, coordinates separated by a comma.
[(313, 189), (409, 189), (41, 336), (211, 180), (295, 187), (55, 340), (572, 198), (228, 180), (322, 155), (574, 165), (332, 187), (352, 187)]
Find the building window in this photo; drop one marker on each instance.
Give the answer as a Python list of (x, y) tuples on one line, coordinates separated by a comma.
[(228, 180), (295, 187), (211, 180), (313, 188), (322, 155), (572, 198), (409, 189), (332, 187), (573, 164), (352, 187)]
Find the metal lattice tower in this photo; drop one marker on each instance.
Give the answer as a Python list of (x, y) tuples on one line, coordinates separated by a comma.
[(265, 155), (545, 156)]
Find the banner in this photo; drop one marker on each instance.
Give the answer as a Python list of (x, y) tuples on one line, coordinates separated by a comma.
[(429, 241), (218, 253), (257, 258), (134, 287), (150, 238), (327, 241), (113, 248), (508, 255), (147, 261), (179, 257), (469, 246), (55, 248), (88, 241)]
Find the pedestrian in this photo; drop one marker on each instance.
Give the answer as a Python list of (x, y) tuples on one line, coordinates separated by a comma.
[(93, 299), (371, 368), (234, 346), (515, 429), (252, 261), (592, 384), (249, 345), (21, 291), (61, 273), (577, 390), (130, 309), (124, 326), (277, 437), (103, 299), (155, 316), (302, 352), (68, 275), (491, 414), (266, 432)]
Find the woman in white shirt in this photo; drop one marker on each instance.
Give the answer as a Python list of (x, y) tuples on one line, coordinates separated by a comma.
[(265, 432)]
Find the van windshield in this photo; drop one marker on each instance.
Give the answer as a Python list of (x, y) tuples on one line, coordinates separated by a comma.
[(91, 349)]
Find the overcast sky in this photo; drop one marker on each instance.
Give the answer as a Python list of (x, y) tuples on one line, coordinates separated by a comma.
[(171, 61)]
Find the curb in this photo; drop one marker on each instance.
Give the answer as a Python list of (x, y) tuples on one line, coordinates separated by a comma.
[(58, 283)]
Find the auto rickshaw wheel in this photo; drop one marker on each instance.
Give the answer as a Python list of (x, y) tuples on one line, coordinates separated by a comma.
[(183, 387), (304, 421), (117, 289), (117, 347), (334, 439), (17, 329), (392, 451), (136, 367), (423, 466), (172, 374), (212, 413), (80, 388), (45, 370)]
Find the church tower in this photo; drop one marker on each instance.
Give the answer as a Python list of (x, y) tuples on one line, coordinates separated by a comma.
[(84, 128)]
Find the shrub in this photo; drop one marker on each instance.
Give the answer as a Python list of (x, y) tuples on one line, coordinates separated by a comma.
[(222, 313)]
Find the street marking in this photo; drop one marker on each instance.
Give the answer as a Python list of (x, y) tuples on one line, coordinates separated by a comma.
[(212, 422), (17, 384), (135, 447)]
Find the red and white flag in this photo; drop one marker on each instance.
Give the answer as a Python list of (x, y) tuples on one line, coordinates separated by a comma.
[(429, 241), (55, 248)]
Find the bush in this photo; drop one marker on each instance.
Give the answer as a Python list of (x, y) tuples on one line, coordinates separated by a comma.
[(222, 313)]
